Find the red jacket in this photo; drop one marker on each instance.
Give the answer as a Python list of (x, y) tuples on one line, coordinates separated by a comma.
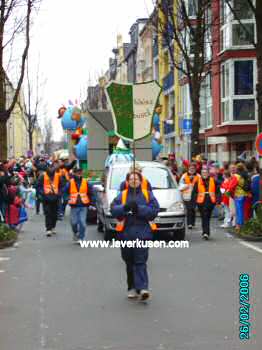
[(225, 186), (233, 182)]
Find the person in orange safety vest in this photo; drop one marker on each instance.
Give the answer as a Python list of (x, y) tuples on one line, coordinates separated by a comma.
[(135, 209), (79, 199), (205, 194), (145, 183), (50, 185), (186, 185)]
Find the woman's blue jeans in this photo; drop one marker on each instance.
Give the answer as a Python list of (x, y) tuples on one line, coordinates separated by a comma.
[(239, 203)]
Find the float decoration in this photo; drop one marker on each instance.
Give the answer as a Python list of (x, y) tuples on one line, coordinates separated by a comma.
[(68, 123), (81, 148), (77, 134), (132, 107), (61, 112), (120, 155)]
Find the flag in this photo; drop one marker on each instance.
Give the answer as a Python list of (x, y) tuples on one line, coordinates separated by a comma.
[(132, 107)]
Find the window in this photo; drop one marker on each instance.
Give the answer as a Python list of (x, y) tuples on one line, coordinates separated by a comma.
[(232, 33), (238, 90), (244, 78), (225, 81), (191, 7), (244, 109), (242, 9), (206, 120), (243, 36), (186, 101), (159, 178)]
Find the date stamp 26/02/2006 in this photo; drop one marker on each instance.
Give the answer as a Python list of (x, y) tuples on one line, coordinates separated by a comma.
[(244, 306)]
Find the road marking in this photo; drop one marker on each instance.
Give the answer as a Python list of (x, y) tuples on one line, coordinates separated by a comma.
[(2, 271), (4, 259), (251, 246)]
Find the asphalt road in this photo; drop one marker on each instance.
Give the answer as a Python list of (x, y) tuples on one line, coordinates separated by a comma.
[(56, 296)]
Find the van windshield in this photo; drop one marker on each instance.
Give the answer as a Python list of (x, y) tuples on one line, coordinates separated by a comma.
[(159, 178)]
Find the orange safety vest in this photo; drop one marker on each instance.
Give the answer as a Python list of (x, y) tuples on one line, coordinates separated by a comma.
[(74, 193), (51, 187), (144, 184), (121, 224), (202, 191), (188, 181)]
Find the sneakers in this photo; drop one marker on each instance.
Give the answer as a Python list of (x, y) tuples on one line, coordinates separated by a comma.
[(75, 237), (48, 233), (132, 294), (205, 236), (144, 294), (53, 231), (225, 226), (190, 227)]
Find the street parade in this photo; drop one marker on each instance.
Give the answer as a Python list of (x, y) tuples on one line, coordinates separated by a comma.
[(131, 185)]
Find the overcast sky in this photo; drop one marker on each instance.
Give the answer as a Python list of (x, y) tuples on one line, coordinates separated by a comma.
[(75, 40)]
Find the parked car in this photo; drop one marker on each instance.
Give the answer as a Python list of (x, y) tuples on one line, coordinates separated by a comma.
[(171, 218)]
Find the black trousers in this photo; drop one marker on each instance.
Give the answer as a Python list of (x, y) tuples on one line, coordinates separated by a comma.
[(191, 212), (50, 211), (206, 212)]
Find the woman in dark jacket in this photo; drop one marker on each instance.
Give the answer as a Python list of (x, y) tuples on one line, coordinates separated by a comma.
[(135, 209)]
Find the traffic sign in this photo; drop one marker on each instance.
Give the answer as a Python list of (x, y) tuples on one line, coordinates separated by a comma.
[(187, 126), (259, 144)]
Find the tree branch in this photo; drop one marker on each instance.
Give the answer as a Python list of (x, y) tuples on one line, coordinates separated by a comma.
[(24, 56)]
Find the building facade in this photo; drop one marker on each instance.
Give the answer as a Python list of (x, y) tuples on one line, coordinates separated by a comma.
[(228, 124), (233, 84)]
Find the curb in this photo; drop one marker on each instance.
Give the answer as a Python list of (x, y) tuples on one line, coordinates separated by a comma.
[(245, 238), (7, 244)]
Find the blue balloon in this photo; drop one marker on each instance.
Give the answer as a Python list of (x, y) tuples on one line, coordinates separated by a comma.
[(156, 148), (81, 148), (68, 123)]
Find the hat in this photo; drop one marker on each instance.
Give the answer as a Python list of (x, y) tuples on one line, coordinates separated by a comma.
[(186, 163), (77, 169)]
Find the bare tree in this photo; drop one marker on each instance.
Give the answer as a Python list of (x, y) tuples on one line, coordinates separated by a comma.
[(33, 99), (48, 136), (186, 32), (15, 24)]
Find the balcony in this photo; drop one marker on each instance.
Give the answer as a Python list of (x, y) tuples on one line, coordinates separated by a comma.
[(168, 83)]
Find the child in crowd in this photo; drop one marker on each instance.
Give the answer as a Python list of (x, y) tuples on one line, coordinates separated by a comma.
[(224, 188)]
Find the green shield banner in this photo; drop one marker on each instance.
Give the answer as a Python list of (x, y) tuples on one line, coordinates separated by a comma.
[(132, 107)]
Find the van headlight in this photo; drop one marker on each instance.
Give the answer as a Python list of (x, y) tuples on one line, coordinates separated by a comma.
[(176, 207)]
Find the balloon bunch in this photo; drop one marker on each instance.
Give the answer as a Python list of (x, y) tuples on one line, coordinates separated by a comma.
[(73, 121)]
